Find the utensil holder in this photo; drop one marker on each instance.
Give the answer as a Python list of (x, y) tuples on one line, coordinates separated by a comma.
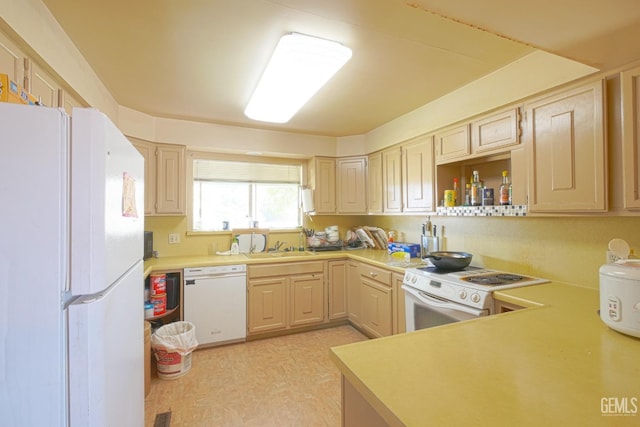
[(430, 244)]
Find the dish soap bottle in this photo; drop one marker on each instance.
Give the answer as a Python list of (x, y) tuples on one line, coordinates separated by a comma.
[(505, 189), (235, 248)]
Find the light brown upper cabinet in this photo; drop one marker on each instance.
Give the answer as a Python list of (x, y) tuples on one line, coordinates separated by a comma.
[(495, 131), (566, 150), (351, 184), (11, 60), (374, 183), (392, 180), (28, 74), (418, 175), (323, 182), (452, 143), (32, 77), (41, 85), (630, 138), (164, 178)]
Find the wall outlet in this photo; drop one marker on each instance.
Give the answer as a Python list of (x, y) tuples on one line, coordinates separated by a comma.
[(174, 238)]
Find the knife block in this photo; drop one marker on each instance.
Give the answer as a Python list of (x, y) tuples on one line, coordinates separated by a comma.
[(430, 244)]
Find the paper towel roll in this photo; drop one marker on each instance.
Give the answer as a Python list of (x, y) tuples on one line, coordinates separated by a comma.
[(307, 200)]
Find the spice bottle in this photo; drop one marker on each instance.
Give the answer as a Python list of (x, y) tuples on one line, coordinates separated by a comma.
[(476, 189), (505, 189), (467, 195), (456, 191)]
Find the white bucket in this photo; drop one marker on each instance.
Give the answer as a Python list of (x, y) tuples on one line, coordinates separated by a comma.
[(172, 345), (172, 365)]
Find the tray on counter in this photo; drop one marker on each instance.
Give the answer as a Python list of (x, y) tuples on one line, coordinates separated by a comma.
[(322, 248)]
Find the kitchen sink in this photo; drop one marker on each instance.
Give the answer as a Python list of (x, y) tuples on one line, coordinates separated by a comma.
[(261, 255)]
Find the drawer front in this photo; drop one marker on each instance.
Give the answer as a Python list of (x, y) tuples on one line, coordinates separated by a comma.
[(285, 269), (378, 274)]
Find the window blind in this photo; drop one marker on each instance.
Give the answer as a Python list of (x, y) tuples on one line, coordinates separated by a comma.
[(223, 170)]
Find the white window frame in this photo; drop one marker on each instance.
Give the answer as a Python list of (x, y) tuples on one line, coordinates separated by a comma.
[(192, 155)]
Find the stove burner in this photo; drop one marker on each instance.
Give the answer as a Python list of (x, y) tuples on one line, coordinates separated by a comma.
[(494, 279), (510, 277), (484, 280)]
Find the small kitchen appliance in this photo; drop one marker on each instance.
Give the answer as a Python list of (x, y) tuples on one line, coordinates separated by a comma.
[(148, 245), (436, 297), (620, 296)]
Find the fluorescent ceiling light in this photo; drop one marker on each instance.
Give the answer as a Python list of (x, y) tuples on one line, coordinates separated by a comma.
[(299, 67)]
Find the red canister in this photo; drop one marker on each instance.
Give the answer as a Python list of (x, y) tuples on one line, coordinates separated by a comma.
[(159, 304), (158, 284)]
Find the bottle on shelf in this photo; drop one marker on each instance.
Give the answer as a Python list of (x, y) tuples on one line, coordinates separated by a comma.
[(505, 190), (476, 189), (467, 195), (456, 191)]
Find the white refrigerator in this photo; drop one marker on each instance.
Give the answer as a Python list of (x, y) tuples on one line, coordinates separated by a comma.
[(71, 272)]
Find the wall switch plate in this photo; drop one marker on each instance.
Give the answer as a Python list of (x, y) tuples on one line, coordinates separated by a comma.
[(174, 238)]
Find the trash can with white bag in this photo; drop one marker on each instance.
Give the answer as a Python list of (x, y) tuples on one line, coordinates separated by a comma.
[(172, 345)]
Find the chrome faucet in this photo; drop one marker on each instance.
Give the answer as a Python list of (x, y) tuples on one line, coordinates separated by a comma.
[(252, 246), (278, 245)]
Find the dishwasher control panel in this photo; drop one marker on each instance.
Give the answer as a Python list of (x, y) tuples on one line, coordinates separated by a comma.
[(194, 272)]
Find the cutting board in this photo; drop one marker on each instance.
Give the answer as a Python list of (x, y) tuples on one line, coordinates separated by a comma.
[(260, 236)]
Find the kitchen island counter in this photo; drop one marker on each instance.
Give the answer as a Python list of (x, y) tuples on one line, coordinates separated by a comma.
[(555, 363)]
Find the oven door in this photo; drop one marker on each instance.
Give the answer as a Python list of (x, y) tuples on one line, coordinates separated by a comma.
[(426, 311)]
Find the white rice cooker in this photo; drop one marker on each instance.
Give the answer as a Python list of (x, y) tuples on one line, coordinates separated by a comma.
[(620, 296)]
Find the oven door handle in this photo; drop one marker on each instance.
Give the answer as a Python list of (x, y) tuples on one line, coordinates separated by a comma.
[(427, 299)]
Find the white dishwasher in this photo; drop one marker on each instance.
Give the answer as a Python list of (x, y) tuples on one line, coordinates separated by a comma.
[(215, 301)]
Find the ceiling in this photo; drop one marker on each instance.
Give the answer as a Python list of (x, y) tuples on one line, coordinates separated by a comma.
[(201, 59)]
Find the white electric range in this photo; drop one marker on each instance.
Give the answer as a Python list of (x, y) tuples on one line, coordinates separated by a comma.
[(435, 297)]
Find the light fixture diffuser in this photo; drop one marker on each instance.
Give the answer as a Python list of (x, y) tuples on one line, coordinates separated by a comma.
[(299, 67)]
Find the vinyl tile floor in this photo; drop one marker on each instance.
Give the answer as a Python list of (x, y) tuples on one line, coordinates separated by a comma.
[(282, 381)]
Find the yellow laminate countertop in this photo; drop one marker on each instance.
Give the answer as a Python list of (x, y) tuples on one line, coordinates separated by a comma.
[(547, 365), (376, 257)]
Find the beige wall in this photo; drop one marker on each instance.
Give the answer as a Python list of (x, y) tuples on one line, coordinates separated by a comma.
[(565, 249)]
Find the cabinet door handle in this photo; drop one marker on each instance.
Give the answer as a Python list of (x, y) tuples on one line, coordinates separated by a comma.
[(372, 274)]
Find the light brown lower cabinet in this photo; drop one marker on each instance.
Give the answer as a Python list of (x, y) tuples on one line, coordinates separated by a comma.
[(354, 306), (285, 295), (307, 299), (376, 301), (399, 317), (267, 304), (337, 289)]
